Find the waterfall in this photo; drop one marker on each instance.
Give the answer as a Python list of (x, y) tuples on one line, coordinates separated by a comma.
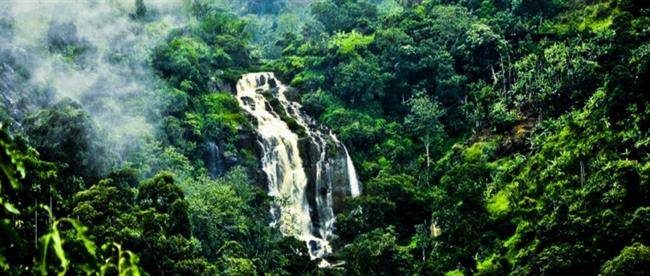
[(214, 159), (309, 173), (352, 173)]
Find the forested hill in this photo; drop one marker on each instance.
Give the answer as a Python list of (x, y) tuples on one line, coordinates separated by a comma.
[(489, 137)]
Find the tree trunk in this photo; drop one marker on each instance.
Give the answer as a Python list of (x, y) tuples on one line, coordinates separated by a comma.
[(36, 223), (426, 146), (582, 172)]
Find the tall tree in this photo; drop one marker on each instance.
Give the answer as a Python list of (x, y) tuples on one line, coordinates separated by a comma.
[(424, 121)]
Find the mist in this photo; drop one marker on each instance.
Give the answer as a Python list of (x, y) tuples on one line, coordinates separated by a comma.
[(93, 52)]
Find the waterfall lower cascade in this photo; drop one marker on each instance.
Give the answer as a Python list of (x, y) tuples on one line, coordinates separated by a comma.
[(309, 173)]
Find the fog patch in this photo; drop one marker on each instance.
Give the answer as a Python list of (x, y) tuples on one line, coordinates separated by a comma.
[(94, 52)]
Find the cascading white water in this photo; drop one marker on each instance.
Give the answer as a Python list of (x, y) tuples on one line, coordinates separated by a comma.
[(352, 173), (303, 189), (281, 161)]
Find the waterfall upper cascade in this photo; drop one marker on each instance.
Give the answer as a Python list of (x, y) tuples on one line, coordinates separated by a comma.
[(309, 172)]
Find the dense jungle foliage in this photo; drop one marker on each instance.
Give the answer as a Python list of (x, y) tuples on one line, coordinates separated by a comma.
[(491, 137)]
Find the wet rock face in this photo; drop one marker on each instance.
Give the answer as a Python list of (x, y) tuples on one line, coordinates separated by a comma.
[(327, 181), (222, 86), (339, 192), (247, 139), (292, 94), (218, 160), (214, 159), (309, 154)]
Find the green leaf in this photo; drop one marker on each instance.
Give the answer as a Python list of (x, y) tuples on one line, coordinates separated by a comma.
[(57, 245), (11, 208), (81, 234)]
